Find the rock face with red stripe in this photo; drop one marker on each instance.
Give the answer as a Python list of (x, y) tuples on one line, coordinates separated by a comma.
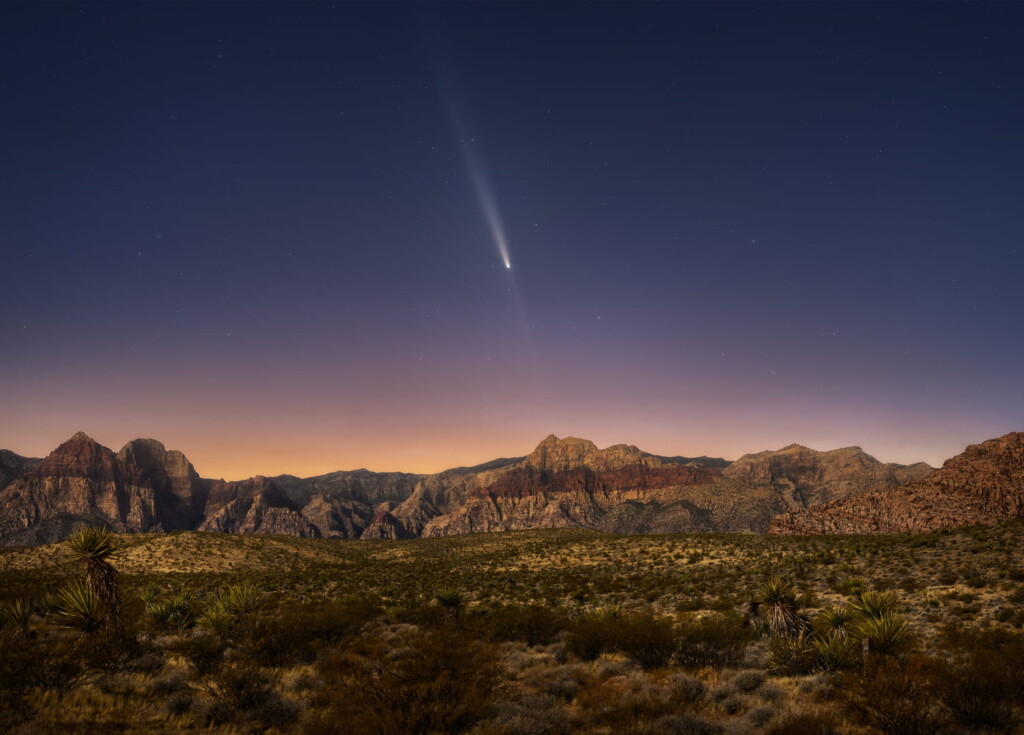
[(563, 483), (984, 484), (570, 483)]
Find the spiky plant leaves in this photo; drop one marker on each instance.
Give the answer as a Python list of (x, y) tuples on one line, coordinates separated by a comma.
[(835, 650), (19, 612), (606, 613), (95, 543), (835, 620), (94, 546), (885, 635), (873, 605), (780, 606), (450, 599), (148, 594), (175, 613), (242, 600), (79, 608), (793, 654), (217, 618)]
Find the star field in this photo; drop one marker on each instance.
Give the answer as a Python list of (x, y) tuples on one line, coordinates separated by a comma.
[(279, 236)]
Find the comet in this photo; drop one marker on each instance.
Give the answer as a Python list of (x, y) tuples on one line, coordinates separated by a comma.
[(485, 196)]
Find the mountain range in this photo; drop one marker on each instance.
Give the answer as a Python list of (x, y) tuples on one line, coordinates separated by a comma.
[(563, 483)]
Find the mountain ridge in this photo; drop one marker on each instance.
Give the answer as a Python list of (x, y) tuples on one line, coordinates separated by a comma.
[(564, 482)]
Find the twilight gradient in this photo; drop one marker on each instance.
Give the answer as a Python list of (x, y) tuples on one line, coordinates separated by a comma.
[(256, 233)]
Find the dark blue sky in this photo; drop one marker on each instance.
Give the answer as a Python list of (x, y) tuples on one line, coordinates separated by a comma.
[(250, 230)]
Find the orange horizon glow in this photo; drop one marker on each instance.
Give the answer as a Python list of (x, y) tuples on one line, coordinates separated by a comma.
[(226, 459)]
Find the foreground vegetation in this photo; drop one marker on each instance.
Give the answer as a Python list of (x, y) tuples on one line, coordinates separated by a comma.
[(533, 632)]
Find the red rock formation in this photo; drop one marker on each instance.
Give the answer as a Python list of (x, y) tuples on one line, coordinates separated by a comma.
[(984, 484)]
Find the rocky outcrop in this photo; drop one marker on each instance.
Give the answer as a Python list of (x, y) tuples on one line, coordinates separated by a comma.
[(14, 466), (142, 488), (360, 486), (984, 484), (256, 505), (571, 483), (805, 478), (563, 482)]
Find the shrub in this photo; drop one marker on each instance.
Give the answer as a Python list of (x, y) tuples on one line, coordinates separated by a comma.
[(793, 655), (718, 640), (982, 684), (533, 624), (242, 687), (685, 724), (645, 639), (835, 620), (203, 650), (426, 682), (804, 723), (895, 696), (298, 632)]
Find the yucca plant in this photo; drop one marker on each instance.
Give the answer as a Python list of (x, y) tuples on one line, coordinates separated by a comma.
[(835, 650), (78, 607), (606, 613), (148, 594), (217, 617), (19, 613), (94, 547), (835, 621), (242, 600), (793, 654), (886, 635), (450, 599), (873, 605), (778, 602), (173, 614)]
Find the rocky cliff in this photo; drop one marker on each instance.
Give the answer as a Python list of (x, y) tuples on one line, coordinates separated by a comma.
[(571, 483), (14, 466), (256, 505), (984, 484), (564, 482), (142, 488)]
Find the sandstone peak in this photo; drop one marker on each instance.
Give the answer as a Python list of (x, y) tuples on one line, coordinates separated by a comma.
[(553, 441), (153, 445), (81, 436)]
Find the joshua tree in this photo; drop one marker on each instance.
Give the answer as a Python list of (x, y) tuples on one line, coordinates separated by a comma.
[(94, 547)]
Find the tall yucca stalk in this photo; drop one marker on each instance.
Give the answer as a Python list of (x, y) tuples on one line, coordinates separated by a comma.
[(94, 547)]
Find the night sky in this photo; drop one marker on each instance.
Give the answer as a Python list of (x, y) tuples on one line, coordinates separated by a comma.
[(271, 235)]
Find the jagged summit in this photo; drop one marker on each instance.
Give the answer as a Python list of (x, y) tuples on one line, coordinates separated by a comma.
[(80, 436)]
